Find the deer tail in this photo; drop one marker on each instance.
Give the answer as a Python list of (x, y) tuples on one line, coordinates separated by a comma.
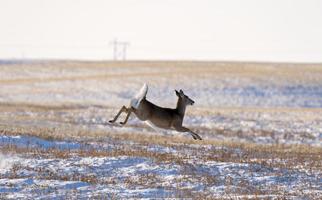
[(135, 102)]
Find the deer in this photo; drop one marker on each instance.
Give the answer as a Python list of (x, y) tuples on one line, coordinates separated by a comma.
[(164, 118)]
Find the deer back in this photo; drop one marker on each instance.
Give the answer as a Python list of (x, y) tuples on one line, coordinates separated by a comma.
[(159, 116)]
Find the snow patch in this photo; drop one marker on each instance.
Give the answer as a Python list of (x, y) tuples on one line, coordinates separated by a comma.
[(6, 161), (27, 141)]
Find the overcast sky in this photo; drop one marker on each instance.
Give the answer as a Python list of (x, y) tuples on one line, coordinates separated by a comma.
[(253, 30)]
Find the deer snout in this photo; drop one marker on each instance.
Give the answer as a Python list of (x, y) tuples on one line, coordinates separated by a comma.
[(192, 102)]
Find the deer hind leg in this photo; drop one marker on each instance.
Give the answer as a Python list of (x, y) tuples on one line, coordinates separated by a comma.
[(184, 129), (123, 109), (129, 111)]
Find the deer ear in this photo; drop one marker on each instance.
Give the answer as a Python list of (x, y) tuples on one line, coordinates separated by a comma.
[(177, 93)]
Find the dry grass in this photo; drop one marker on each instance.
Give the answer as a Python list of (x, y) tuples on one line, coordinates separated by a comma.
[(294, 158), (184, 151), (282, 156), (69, 133), (102, 70)]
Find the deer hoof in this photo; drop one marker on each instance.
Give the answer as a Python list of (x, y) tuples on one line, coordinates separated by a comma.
[(122, 123), (111, 121)]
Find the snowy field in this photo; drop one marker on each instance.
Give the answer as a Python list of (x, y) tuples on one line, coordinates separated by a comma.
[(261, 126)]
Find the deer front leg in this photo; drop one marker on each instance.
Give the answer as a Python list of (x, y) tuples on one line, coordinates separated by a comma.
[(123, 109), (129, 111), (184, 129)]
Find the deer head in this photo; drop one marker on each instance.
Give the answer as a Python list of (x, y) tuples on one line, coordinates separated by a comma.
[(184, 98)]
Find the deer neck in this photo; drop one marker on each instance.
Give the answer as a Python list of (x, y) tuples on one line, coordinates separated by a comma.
[(181, 107)]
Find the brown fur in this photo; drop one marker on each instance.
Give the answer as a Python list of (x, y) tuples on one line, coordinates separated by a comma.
[(165, 118)]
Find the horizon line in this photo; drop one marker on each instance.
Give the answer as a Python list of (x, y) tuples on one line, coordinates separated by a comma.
[(155, 60)]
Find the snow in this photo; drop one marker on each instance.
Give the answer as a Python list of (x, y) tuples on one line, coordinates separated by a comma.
[(6, 161), (100, 98), (121, 175), (118, 168), (234, 107), (129, 167), (26, 141)]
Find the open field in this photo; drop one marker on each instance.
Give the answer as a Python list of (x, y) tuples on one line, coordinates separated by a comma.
[(261, 125)]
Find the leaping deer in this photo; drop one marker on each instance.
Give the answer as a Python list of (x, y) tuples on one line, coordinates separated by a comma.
[(166, 118)]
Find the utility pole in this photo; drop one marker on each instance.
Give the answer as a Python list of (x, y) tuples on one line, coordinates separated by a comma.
[(119, 53), (124, 45), (114, 43)]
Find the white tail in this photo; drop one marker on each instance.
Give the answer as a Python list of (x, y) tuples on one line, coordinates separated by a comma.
[(135, 102)]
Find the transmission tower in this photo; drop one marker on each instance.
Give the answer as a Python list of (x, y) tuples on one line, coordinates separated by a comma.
[(119, 49)]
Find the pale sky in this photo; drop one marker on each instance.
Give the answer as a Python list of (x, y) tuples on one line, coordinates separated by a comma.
[(238, 30)]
